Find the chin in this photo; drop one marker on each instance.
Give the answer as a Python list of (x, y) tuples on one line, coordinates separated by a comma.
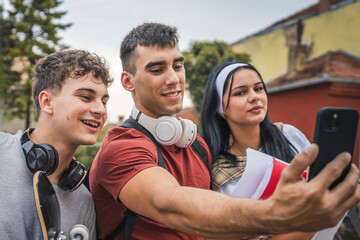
[(88, 141), (177, 109), (256, 121)]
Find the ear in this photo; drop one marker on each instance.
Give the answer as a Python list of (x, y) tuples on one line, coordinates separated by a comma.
[(45, 98), (127, 81)]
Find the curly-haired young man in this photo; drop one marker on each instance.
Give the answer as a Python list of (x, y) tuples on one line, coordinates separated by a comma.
[(70, 96)]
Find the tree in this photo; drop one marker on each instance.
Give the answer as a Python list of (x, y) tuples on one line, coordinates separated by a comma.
[(34, 31), (200, 60), (7, 77)]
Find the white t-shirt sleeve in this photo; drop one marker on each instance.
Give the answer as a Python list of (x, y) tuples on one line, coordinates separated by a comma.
[(296, 137)]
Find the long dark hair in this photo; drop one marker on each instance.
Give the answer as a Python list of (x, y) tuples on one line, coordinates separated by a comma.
[(216, 131)]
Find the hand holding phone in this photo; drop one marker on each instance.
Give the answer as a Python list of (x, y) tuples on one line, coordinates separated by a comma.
[(335, 132)]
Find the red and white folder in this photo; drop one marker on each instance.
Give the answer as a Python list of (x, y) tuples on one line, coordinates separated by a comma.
[(259, 180)]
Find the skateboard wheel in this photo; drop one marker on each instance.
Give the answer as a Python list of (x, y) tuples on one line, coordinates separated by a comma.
[(79, 232)]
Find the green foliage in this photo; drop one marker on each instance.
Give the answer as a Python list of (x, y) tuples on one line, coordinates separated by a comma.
[(36, 24), (103, 132), (7, 77), (86, 154), (200, 60), (29, 30)]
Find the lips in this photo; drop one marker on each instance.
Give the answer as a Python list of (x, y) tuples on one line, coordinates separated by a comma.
[(256, 109)]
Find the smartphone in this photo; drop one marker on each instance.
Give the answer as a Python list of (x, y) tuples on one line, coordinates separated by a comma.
[(335, 132)]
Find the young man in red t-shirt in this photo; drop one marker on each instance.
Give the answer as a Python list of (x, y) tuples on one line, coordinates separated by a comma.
[(175, 202)]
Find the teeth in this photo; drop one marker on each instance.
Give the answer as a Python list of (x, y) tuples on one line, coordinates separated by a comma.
[(93, 124), (171, 94)]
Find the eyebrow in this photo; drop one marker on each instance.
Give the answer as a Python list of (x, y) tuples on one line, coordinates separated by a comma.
[(160, 63), (90, 90), (179, 59)]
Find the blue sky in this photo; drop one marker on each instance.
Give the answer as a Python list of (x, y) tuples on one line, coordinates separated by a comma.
[(100, 25)]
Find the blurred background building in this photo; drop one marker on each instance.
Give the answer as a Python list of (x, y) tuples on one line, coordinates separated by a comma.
[(309, 60)]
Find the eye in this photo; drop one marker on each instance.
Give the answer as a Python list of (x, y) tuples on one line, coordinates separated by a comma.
[(156, 70), (258, 89), (85, 98), (239, 93), (178, 67)]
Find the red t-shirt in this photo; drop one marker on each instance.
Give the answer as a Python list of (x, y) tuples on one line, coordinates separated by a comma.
[(124, 153)]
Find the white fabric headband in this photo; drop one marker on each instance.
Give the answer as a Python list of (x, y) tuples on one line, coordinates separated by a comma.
[(220, 81)]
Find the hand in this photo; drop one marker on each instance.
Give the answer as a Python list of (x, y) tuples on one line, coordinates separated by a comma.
[(310, 206)]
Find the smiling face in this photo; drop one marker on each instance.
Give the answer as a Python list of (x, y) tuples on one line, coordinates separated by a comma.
[(158, 84), (248, 100), (79, 110)]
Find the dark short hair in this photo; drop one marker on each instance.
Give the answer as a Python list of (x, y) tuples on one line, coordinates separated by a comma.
[(147, 34), (50, 72)]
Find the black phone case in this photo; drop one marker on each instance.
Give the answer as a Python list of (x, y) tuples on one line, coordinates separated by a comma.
[(333, 137)]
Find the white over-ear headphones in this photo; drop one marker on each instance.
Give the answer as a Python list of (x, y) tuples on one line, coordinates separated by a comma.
[(167, 130)]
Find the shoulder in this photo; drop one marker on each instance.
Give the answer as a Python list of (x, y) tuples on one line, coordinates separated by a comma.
[(291, 130), (127, 144), (8, 138), (123, 139), (124, 134), (295, 137), (286, 128), (10, 144)]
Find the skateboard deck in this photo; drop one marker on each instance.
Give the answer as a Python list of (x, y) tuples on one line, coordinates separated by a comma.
[(47, 206)]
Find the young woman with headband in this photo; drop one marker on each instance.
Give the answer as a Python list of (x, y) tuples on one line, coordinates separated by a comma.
[(238, 93)]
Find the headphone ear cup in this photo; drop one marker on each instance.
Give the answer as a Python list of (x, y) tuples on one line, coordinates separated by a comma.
[(188, 133), (73, 176), (42, 157), (168, 130)]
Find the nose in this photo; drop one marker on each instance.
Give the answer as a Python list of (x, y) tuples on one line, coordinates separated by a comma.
[(98, 109), (172, 77), (253, 96)]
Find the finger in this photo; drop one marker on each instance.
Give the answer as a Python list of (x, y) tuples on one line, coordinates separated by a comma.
[(300, 163), (348, 191), (349, 203), (332, 170)]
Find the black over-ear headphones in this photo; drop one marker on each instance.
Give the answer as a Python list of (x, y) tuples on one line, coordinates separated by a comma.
[(44, 157), (167, 130)]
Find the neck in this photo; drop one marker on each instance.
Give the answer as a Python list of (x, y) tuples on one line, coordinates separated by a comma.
[(45, 134), (244, 137)]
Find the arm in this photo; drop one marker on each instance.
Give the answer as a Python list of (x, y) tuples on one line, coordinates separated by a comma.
[(211, 214)]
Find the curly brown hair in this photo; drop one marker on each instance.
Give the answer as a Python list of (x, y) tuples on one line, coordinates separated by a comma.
[(51, 71)]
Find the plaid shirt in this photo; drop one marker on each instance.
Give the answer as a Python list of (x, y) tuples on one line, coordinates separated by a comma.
[(223, 171)]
